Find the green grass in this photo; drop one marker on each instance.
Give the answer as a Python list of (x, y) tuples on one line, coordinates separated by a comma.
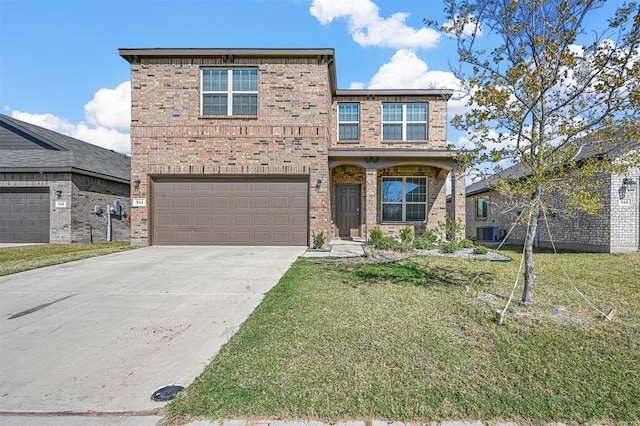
[(410, 341), (24, 258)]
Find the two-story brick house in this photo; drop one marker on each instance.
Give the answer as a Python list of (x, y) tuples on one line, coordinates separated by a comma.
[(259, 147)]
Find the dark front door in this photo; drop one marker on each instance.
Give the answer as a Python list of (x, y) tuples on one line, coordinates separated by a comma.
[(348, 210)]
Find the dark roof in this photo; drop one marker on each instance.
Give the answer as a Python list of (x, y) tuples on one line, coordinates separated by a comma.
[(442, 93), (26, 147), (591, 148)]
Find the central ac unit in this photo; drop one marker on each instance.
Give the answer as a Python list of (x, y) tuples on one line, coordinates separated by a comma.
[(487, 233)]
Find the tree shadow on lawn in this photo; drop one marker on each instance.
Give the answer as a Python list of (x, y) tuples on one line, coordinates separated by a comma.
[(409, 272)]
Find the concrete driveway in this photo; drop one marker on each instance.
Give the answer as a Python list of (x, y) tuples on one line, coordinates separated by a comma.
[(101, 335)]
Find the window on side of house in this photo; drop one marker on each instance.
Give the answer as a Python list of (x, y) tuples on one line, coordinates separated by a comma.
[(404, 122), (348, 122), (229, 92), (482, 209), (404, 199)]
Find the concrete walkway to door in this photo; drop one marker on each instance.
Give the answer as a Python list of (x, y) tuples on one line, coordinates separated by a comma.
[(101, 335)]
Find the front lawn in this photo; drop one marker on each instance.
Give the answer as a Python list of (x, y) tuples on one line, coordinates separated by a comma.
[(23, 258), (411, 340)]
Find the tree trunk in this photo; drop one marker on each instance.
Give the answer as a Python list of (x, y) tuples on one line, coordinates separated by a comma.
[(529, 265)]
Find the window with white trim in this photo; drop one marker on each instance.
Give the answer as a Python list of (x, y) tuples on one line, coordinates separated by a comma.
[(482, 209), (348, 122), (404, 122), (229, 92), (404, 199)]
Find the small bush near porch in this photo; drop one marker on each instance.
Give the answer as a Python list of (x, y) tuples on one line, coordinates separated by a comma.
[(410, 340)]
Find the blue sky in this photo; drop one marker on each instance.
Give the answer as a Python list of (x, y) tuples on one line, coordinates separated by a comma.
[(60, 68)]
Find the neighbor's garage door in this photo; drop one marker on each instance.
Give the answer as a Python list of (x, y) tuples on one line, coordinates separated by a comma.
[(230, 212), (24, 215)]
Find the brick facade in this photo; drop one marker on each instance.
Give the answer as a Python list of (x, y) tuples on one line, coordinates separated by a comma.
[(293, 133), (76, 222), (616, 227)]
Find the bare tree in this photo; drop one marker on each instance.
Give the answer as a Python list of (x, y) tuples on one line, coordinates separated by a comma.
[(544, 92)]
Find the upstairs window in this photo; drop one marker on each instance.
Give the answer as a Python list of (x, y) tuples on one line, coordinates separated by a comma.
[(404, 199), (229, 92), (348, 122), (482, 209), (404, 122)]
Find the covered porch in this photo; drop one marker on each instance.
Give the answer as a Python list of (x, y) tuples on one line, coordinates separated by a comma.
[(392, 189)]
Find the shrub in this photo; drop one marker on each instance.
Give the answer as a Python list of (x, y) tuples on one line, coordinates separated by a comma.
[(428, 240), (376, 235), (466, 243), (450, 247), (407, 236), (318, 240), (451, 230), (480, 250), (389, 243)]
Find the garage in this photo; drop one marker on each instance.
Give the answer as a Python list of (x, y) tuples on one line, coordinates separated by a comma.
[(252, 211), (24, 215)]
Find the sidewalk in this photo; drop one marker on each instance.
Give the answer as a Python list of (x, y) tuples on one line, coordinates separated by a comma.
[(338, 248)]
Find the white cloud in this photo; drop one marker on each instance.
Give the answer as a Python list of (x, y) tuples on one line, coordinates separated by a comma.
[(110, 107), (48, 121), (105, 137), (368, 28), (406, 71), (107, 120)]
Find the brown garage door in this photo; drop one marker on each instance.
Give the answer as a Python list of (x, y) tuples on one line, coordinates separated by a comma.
[(230, 212), (24, 215)]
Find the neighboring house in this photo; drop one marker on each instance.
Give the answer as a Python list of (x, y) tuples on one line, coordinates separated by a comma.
[(50, 185), (259, 147), (615, 229)]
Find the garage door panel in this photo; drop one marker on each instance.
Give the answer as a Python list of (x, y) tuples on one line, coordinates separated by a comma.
[(203, 220), (221, 203), (261, 219), (203, 203), (260, 202), (221, 237), (183, 219), (242, 237), (259, 212), (164, 219), (164, 202), (183, 202), (202, 237), (241, 202), (241, 220)]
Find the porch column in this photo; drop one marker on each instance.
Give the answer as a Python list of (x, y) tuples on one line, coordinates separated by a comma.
[(458, 197), (371, 201)]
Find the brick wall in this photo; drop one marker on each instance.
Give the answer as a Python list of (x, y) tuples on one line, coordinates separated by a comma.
[(290, 135), (625, 213), (75, 222), (89, 192), (615, 228), (371, 122)]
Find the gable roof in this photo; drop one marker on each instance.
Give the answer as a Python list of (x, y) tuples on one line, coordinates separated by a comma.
[(591, 148), (25, 147)]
